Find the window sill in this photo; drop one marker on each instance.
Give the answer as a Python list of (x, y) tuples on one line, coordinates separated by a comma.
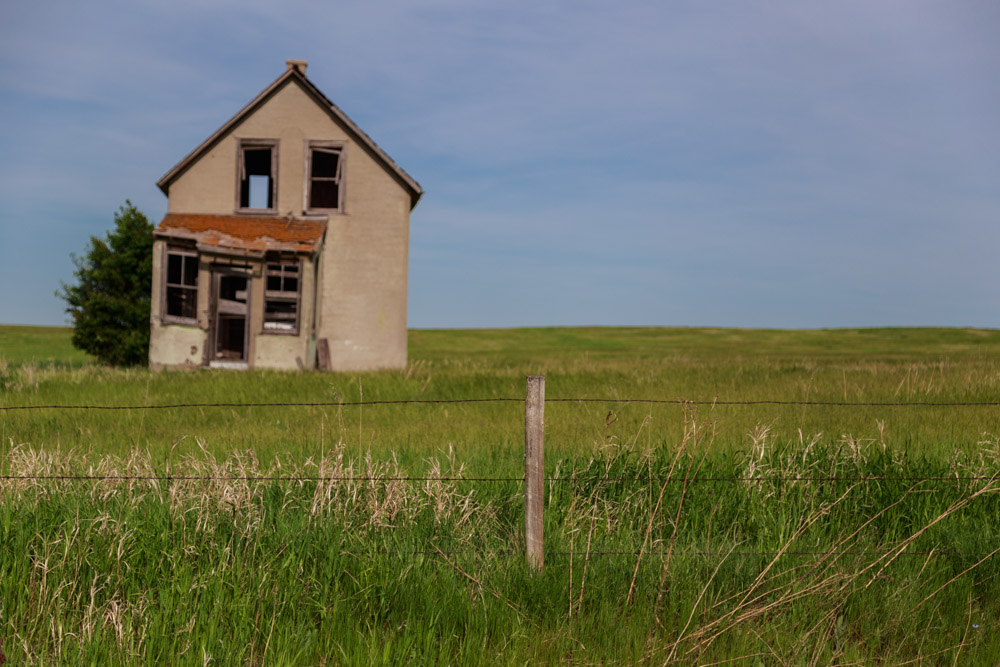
[(232, 365), (256, 211), (179, 321), (278, 332)]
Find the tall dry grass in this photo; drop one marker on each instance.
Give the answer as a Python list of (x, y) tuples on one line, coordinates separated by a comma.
[(233, 560)]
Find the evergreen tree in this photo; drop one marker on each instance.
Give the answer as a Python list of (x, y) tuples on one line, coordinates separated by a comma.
[(110, 301)]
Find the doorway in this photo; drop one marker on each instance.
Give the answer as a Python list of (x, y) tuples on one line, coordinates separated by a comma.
[(231, 318)]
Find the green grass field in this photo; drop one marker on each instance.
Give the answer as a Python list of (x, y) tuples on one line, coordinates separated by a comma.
[(695, 364), (227, 568)]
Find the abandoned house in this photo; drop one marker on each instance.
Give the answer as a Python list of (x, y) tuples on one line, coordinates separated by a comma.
[(285, 243)]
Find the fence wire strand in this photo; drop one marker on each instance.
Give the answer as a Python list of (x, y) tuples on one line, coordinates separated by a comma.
[(572, 480), (583, 555), (436, 401), (252, 478)]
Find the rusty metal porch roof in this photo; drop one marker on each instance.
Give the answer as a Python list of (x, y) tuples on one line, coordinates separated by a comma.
[(245, 234)]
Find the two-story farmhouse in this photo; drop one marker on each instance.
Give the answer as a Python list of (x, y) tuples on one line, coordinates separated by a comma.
[(285, 244)]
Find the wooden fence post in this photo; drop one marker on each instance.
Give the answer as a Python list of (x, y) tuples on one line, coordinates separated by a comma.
[(534, 469)]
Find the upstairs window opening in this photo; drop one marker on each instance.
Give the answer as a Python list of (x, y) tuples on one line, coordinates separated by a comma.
[(257, 175), (282, 288), (326, 165)]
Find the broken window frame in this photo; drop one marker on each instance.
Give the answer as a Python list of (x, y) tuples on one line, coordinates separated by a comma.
[(283, 264), (186, 255), (338, 147), (251, 144)]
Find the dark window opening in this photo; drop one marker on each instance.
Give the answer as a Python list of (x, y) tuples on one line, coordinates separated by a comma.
[(325, 169), (233, 288), (281, 297), (281, 310), (182, 286), (257, 177)]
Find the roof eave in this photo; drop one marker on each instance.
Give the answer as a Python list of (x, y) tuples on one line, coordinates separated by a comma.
[(415, 198)]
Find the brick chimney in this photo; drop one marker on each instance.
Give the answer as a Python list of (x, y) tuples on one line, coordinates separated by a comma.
[(300, 65)]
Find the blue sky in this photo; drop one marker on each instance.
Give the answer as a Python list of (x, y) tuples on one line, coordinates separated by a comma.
[(753, 164)]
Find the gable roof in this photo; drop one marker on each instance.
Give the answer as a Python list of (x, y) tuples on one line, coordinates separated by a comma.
[(296, 74), (244, 234)]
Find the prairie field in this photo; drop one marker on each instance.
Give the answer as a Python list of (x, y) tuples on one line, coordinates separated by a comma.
[(675, 533)]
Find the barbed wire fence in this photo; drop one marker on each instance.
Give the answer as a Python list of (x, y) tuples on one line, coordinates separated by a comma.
[(437, 401), (534, 478)]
